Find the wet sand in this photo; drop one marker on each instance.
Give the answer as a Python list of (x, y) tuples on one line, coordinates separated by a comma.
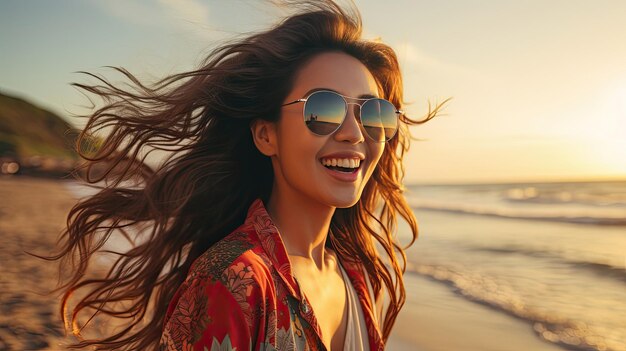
[(436, 319)]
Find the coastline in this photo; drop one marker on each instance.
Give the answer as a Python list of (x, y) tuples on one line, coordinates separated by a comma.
[(436, 319)]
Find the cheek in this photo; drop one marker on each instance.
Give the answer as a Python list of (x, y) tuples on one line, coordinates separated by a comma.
[(376, 150), (375, 153), (298, 148)]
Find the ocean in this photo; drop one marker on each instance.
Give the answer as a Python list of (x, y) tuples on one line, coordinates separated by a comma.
[(552, 254)]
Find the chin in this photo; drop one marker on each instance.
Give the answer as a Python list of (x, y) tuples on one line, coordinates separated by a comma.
[(344, 201)]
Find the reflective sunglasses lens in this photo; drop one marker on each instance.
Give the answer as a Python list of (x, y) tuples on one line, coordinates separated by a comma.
[(379, 119), (323, 112)]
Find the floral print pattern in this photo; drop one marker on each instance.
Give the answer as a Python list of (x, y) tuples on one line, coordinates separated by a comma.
[(241, 295)]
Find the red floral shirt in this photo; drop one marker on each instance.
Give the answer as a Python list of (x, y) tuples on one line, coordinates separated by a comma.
[(240, 295)]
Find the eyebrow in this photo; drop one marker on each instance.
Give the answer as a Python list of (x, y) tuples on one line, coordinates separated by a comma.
[(362, 96)]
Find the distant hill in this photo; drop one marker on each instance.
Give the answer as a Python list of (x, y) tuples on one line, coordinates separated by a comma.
[(27, 130), (34, 141)]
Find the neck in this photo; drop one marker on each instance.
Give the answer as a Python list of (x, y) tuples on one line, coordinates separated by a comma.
[(303, 226)]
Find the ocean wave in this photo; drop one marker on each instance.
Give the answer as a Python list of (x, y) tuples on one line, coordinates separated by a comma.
[(565, 195), (573, 335), (602, 269), (534, 214), (598, 268)]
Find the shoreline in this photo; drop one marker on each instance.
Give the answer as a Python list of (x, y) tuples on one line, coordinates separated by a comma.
[(434, 318)]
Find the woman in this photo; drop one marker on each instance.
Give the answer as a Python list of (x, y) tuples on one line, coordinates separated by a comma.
[(286, 165)]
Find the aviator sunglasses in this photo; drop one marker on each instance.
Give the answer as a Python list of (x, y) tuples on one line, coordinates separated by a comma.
[(324, 112)]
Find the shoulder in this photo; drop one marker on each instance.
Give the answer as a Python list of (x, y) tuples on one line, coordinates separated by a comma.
[(224, 291), (236, 262)]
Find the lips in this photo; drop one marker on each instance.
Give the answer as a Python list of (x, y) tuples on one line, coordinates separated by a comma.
[(350, 157), (344, 177)]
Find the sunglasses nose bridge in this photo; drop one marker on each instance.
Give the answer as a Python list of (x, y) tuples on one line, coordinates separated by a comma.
[(360, 125), (354, 103)]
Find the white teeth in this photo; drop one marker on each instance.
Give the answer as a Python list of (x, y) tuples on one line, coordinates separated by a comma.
[(342, 162)]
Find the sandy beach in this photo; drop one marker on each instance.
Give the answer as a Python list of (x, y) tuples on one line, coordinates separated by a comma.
[(32, 215), (32, 212)]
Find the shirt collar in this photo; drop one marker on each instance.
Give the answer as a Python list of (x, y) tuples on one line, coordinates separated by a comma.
[(269, 237), (260, 221)]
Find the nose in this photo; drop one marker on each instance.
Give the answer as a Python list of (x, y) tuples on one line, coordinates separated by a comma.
[(351, 129)]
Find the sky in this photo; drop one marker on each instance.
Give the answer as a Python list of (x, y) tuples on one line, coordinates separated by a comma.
[(538, 87)]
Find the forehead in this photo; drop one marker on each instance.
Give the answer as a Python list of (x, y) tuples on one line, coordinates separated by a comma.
[(336, 71)]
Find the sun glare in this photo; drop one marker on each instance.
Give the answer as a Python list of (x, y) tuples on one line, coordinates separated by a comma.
[(607, 139)]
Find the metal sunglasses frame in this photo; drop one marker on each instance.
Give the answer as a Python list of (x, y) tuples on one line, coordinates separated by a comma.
[(344, 97)]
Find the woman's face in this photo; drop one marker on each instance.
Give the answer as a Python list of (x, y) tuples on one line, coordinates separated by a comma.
[(300, 153)]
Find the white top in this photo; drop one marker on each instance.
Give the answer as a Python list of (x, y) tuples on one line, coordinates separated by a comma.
[(356, 330)]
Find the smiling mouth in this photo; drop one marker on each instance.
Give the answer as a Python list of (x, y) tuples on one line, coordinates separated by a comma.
[(344, 169)]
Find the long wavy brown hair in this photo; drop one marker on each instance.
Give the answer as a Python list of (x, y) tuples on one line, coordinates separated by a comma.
[(202, 190)]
